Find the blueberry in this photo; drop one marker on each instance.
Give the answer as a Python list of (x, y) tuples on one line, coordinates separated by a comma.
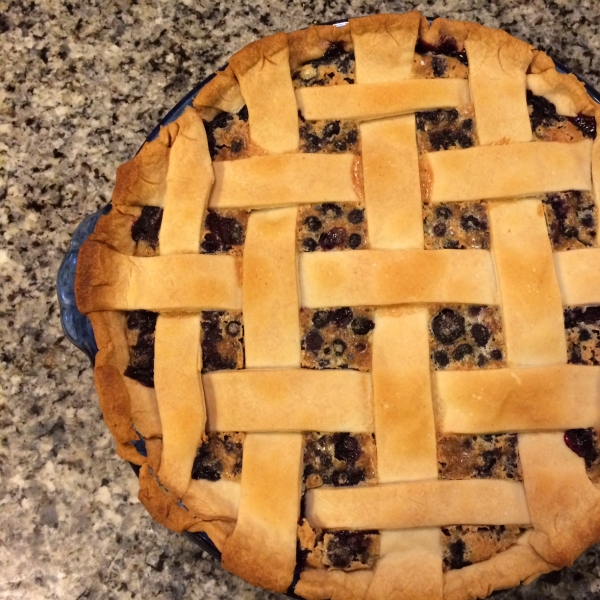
[(346, 448), (441, 359), (352, 136), (331, 209), (237, 146), (362, 325), (461, 351), (313, 341), (448, 326), (309, 244), (439, 66), (481, 334), (342, 317), (472, 223), (439, 230), (354, 241), (496, 354), (233, 328), (350, 476), (457, 551), (313, 223), (331, 128), (356, 216), (443, 212), (584, 335), (584, 443), (321, 318), (334, 238)]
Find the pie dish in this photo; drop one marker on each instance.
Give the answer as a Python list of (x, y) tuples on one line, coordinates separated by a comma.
[(347, 314)]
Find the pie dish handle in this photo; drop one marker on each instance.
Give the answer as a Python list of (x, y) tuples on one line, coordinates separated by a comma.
[(77, 327)]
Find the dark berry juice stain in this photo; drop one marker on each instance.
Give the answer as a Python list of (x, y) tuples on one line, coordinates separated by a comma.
[(141, 325), (350, 550), (337, 338), (335, 67), (586, 443), (339, 459), (222, 340), (444, 129), (219, 456), (330, 226), (145, 229), (582, 328), (228, 136), (224, 231), (456, 226), (466, 337), (493, 456), (464, 545), (447, 46), (547, 124), (571, 219), (329, 137)]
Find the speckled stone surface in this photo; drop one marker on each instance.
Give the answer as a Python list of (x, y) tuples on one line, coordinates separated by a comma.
[(81, 84)]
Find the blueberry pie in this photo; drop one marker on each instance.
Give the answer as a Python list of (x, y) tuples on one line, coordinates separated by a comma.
[(348, 313)]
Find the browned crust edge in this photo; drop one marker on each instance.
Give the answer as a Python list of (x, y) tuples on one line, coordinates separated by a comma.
[(140, 182)]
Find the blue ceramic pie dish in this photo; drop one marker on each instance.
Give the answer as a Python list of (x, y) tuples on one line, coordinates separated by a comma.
[(78, 327)]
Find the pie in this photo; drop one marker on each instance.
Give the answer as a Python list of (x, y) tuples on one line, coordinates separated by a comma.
[(347, 309)]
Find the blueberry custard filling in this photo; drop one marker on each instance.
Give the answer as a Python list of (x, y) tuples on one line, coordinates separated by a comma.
[(456, 226), (219, 457), (222, 340), (465, 337), (337, 338), (141, 325), (343, 550), (330, 226), (145, 230)]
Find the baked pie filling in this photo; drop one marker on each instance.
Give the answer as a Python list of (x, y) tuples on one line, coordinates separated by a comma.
[(362, 379)]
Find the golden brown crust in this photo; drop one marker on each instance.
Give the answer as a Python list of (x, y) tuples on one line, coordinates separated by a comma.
[(312, 42), (111, 361), (518, 564), (142, 182)]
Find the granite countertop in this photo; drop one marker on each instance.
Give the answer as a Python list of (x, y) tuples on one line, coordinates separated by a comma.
[(82, 85)]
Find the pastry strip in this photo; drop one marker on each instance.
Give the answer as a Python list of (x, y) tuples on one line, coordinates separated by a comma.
[(380, 277), (409, 566), (508, 171), (189, 181), (391, 182), (366, 101), (272, 181), (263, 71), (213, 499), (532, 312), (497, 67), (404, 425), (179, 397), (107, 280), (564, 503), (596, 177), (270, 290), (262, 548), (430, 503), (497, 400), (288, 400), (579, 276), (384, 46)]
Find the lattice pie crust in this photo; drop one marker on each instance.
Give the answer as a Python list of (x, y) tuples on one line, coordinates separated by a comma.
[(406, 403)]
